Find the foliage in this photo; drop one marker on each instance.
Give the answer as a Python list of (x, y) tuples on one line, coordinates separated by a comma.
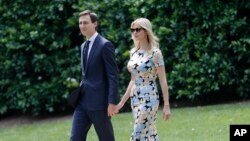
[(37, 55), (205, 43), (205, 46)]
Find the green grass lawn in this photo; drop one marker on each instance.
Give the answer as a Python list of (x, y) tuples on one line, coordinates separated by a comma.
[(206, 123)]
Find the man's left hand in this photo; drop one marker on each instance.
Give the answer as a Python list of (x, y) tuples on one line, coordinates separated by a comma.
[(112, 110)]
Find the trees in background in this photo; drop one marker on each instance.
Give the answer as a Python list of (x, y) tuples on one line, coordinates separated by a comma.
[(205, 46)]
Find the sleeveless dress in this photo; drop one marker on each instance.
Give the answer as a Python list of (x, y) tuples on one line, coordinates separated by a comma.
[(144, 94)]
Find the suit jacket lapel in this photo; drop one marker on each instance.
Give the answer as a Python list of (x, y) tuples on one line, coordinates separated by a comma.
[(92, 51)]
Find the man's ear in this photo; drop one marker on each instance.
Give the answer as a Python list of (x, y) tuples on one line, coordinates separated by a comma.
[(96, 24)]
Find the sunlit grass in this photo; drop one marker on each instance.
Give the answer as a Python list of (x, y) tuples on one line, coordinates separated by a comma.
[(207, 123)]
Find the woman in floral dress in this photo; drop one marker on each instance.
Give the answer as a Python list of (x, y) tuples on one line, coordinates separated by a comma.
[(145, 65)]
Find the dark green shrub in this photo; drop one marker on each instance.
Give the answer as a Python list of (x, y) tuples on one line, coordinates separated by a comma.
[(37, 55)]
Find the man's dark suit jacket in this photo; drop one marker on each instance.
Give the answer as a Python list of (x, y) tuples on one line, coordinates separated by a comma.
[(100, 77)]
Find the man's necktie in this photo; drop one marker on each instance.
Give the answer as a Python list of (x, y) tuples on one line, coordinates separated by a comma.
[(85, 53)]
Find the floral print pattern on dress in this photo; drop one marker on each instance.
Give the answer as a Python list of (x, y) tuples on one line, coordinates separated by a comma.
[(144, 94)]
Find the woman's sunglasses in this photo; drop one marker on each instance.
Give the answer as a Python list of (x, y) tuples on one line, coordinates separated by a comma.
[(135, 30)]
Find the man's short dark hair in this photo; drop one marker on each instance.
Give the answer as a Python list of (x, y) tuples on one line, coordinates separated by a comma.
[(93, 16)]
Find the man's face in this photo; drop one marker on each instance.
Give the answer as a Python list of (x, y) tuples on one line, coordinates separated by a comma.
[(86, 26)]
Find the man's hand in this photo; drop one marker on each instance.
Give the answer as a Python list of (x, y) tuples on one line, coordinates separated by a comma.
[(112, 110)]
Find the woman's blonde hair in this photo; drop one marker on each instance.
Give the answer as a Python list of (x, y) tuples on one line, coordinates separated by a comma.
[(147, 26)]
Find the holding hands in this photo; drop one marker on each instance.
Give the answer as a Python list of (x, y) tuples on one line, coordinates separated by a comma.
[(114, 109)]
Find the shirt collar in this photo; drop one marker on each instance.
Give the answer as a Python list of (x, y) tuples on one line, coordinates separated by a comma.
[(92, 38)]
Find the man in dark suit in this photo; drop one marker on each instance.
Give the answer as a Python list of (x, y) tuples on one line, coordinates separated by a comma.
[(99, 85)]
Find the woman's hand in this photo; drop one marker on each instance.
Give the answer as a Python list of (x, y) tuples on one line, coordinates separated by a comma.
[(166, 112), (119, 106)]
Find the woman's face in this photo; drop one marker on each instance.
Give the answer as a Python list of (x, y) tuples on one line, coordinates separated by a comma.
[(138, 32)]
